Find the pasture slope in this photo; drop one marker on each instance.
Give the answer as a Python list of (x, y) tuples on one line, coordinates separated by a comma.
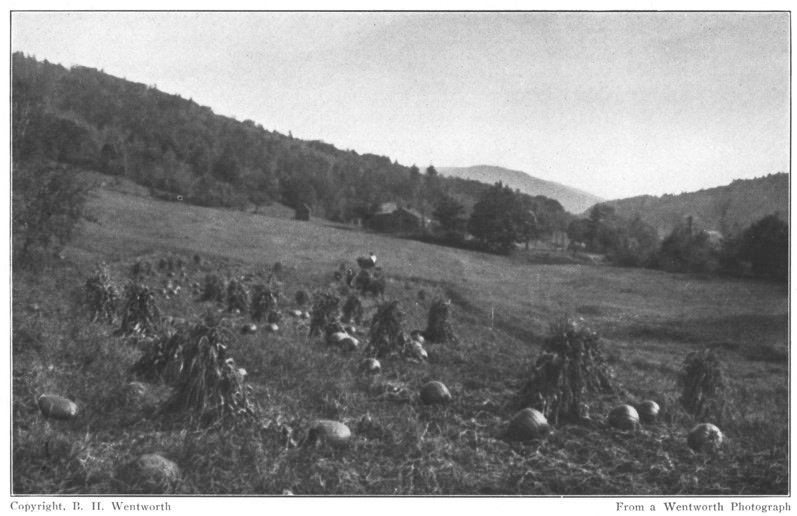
[(502, 308)]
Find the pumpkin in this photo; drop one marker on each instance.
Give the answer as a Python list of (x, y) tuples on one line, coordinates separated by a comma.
[(648, 411), (153, 472), (704, 436), (296, 313), (349, 343), (337, 337), (57, 407), (526, 425), (249, 328), (371, 365), (434, 393), (624, 417), (417, 351), (333, 433), (273, 328), (417, 335)]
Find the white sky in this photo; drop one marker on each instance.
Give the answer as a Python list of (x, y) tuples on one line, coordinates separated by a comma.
[(617, 104)]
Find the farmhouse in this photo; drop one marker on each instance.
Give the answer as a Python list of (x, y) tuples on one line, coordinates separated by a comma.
[(392, 218)]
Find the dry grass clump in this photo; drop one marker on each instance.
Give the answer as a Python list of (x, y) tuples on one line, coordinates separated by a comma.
[(237, 296), (702, 384), (101, 295), (209, 385), (324, 315), (140, 314), (386, 336), (213, 288), (353, 309), (438, 327), (265, 299), (571, 367)]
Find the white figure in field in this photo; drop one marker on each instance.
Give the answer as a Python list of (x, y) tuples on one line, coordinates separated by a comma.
[(368, 262)]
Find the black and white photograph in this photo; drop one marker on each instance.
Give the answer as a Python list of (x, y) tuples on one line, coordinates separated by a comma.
[(258, 256)]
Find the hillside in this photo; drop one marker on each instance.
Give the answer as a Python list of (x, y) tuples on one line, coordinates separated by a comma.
[(725, 209), (572, 199), (92, 120)]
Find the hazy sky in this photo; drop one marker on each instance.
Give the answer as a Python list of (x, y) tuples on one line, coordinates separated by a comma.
[(617, 104)]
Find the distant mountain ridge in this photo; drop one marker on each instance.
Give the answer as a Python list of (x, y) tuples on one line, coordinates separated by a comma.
[(725, 208), (572, 199)]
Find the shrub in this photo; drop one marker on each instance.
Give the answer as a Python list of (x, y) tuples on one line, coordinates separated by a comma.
[(571, 367), (140, 314), (386, 335), (209, 384), (213, 289), (702, 384), (48, 202), (237, 296), (101, 296), (438, 327)]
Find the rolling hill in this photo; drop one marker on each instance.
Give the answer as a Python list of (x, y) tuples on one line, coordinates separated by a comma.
[(572, 199), (725, 209)]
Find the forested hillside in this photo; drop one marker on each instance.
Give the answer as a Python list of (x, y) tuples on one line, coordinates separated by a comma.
[(84, 117), (726, 209)]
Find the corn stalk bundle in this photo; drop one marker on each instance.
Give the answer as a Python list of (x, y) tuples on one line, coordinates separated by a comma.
[(141, 268), (702, 384), (369, 282), (102, 295), (386, 335), (209, 383), (353, 309), (302, 297), (237, 296), (140, 314), (213, 289), (265, 299), (438, 327), (162, 358), (571, 367), (324, 316)]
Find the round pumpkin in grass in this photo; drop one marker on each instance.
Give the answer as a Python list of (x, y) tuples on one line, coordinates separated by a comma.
[(248, 329), (435, 393), (333, 433), (273, 328), (53, 406), (527, 425), (349, 344), (417, 351), (371, 365), (648, 411), (337, 337), (624, 417), (704, 437), (151, 473)]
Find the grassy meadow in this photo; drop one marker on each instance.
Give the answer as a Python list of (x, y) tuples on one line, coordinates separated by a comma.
[(502, 307)]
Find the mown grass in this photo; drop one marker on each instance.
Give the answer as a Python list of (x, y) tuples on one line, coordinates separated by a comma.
[(501, 310)]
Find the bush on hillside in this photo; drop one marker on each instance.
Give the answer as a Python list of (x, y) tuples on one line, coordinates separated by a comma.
[(48, 202)]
